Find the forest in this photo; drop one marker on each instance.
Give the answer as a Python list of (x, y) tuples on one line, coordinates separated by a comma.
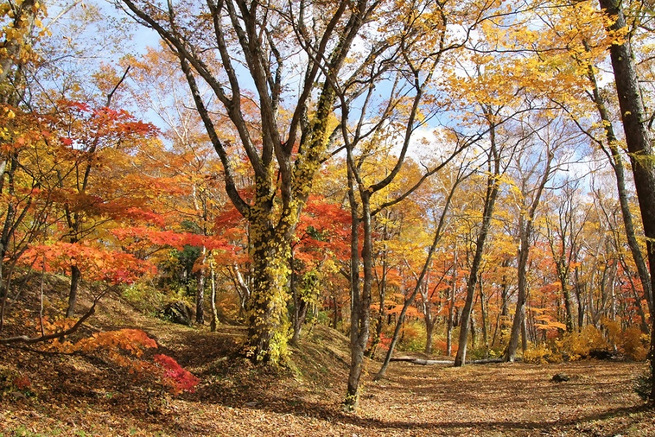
[(201, 200)]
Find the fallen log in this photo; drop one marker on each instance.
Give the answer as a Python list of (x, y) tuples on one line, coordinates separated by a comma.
[(424, 362), (421, 361)]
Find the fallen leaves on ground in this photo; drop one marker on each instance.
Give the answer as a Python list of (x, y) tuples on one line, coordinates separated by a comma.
[(77, 395)]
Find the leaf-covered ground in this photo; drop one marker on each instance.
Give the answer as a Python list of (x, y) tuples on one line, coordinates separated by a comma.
[(81, 395)]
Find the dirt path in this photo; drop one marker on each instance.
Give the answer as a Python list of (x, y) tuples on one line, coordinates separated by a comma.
[(504, 399), (491, 400)]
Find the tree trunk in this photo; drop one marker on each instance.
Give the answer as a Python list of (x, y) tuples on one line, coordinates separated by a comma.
[(483, 313), (526, 226), (568, 304), (473, 331), (76, 274), (200, 292), (382, 313), (519, 314), (451, 311), (639, 145), (362, 322), (524, 335), (300, 307), (212, 276), (579, 295), (360, 300), (429, 331), (268, 327), (493, 186)]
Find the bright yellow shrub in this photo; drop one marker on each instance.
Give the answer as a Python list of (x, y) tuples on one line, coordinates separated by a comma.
[(634, 344)]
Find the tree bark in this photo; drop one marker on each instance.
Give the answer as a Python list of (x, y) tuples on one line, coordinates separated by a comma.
[(200, 292), (212, 277), (429, 333), (451, 312), (76, 275), (639, 145), (360, 301), (483, 313)]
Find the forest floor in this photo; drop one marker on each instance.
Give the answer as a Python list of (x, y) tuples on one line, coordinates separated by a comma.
[(79, 395)]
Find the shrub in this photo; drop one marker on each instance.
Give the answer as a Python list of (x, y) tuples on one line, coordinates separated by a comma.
[(440, 346), (144, 298), (576, 345), (126, 348), (412, 337), (175, 376), (541, 354), (14, 381), (634, 344)]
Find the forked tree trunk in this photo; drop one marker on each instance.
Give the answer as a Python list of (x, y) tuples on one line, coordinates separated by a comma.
[(526, 228)]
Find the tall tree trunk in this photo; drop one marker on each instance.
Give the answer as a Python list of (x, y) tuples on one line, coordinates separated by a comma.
[(613, 153), (359, 299), (568, 304), (526, 226), (493, 186), (503, 317), (639, 145), (524, 335), (362, 321), (519, 315), (579, 296), (473, 330), (451, 314)]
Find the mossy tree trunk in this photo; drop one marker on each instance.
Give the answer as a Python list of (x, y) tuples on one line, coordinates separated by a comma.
[(244, 55)]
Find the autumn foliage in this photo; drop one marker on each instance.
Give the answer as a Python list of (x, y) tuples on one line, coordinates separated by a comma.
[(127, 348)]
